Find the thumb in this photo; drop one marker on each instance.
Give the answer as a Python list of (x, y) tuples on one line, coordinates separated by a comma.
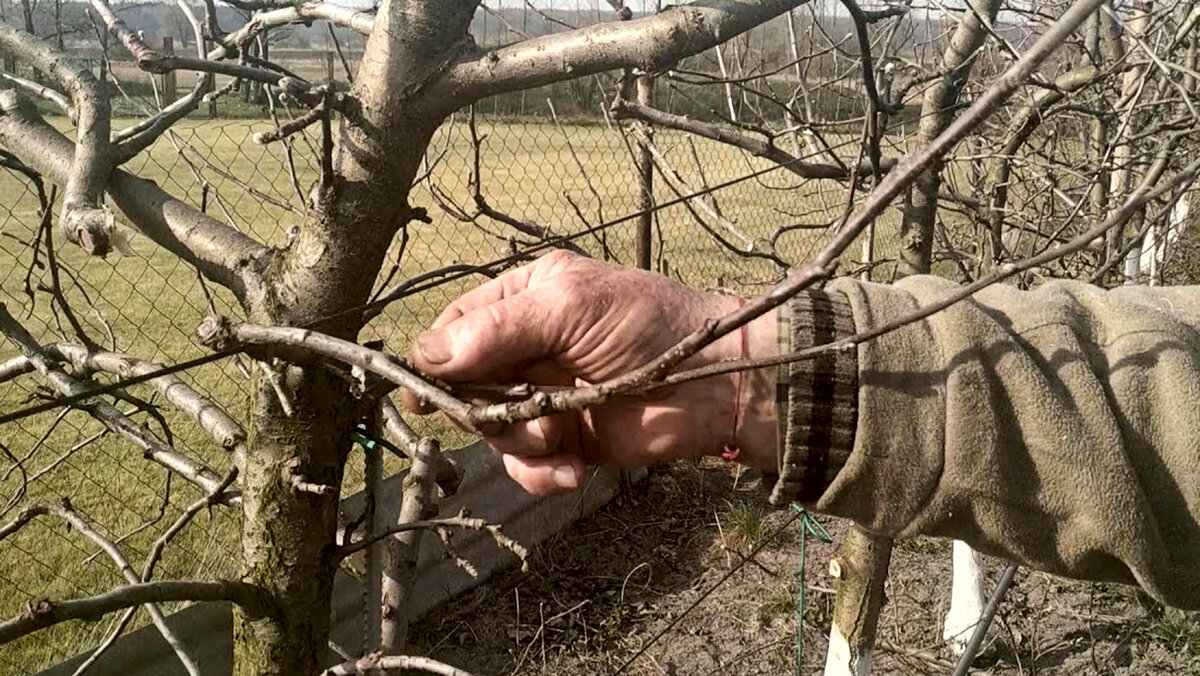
[(492, 342)]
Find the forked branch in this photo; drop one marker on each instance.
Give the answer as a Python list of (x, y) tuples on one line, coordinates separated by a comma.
[(84, 220)]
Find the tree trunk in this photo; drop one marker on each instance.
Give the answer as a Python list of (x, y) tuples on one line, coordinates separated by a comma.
[(1122, 177), (861, 567), (287, 535), (937, 111), (360, 204), (645, 167)]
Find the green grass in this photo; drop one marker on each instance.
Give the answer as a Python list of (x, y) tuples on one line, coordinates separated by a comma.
[(153, 303), (744, 524)]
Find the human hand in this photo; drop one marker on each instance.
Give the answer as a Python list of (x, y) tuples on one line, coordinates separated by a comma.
[(569, 320)]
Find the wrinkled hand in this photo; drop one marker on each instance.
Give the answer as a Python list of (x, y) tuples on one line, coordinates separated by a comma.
[(569, 320)]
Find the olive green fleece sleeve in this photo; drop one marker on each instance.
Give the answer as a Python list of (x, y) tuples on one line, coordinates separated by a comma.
[(1059, 428)]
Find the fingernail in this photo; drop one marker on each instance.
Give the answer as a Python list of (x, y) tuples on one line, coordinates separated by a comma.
[(565, 478), (434, 347)]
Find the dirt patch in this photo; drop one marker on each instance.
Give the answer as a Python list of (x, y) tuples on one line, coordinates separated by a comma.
[(598, 593)]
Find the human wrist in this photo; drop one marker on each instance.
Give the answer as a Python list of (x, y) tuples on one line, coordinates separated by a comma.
[(745, 417)]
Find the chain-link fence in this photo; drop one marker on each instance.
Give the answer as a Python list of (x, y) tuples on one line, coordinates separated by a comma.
[(504, 177)]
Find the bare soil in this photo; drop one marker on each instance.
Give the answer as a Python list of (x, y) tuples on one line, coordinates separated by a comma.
[(601, 592)]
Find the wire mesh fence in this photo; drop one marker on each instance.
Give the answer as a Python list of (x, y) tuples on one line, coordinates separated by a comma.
[(502, 178)]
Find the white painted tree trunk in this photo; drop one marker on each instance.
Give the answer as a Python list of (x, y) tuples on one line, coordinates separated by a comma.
[(728, 87), (1144, 262), (1156, 249), (968, 597), (841, 661)]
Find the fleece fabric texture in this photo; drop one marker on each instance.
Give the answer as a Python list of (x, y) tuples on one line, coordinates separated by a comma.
[(1058, 428)]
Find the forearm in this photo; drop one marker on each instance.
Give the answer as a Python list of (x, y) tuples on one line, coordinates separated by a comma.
[(1056, 428)]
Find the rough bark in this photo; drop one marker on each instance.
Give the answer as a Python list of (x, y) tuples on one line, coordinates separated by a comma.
[(358, 207), (288, 535)]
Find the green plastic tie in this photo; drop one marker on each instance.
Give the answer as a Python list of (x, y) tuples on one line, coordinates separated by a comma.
[(809, 525), (360, 438)]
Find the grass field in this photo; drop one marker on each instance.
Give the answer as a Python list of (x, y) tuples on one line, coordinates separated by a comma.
[(153, 302)]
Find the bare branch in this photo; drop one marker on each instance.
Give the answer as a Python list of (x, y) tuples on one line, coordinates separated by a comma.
[(705, 213), (460, 522), (418, 503), (38, 89), (219, 333), (65, 511), (651, 44), (42, 613), (136, 138), (447, 472), (730, 135), (207, 413), (84, 219), (375, 661), (293, 126), (223, 254), (305, 12), (106, 413)]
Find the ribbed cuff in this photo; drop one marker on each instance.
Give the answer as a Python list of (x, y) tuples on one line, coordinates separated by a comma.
[(817, 399)]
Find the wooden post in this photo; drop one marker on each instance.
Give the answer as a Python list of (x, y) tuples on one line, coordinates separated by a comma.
[(329, 66), (168, 78), (212, 101), (643, 239), (645, 97)]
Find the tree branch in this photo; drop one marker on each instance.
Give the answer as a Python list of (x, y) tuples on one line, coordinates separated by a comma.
[(49, 93), (305, 12), (206, 413), (220, 333), (65, 511), (730, 135), (376, 661), (84, 219), (42, 613), (106, 413), (705, 213), (651, 44), (221, 253), (461, 521), (404, 549)]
